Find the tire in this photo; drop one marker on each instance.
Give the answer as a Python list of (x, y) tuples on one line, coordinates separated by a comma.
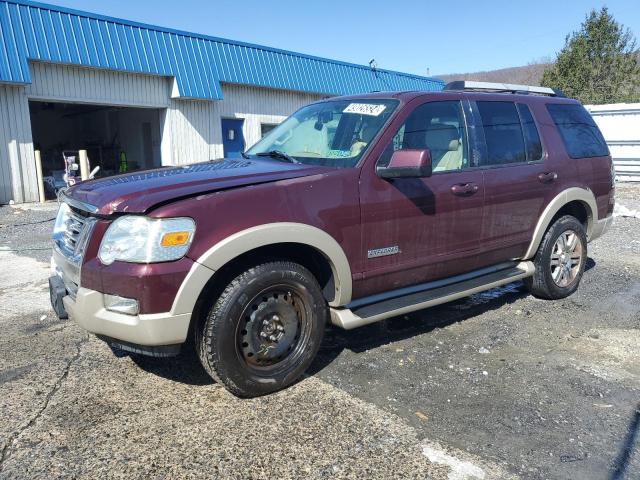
[(264, 330), (560, 260)]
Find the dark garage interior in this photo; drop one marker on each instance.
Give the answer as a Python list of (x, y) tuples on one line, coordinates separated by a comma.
[(117, 139)]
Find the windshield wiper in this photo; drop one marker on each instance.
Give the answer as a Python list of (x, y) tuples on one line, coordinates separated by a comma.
[(244, 155), (279, 154)]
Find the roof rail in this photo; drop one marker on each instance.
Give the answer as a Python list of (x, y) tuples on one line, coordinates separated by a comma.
[(502, 88)]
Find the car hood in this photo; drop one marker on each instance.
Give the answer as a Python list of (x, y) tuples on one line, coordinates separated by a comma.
[(139, 192)]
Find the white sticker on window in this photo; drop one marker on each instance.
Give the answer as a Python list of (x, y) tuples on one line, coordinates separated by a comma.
[(373, 109)]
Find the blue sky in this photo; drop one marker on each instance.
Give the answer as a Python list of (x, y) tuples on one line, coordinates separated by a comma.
[(407, 35)]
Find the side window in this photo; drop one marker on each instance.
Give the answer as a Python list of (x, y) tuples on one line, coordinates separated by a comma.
[(437, 126), (579, 132), (531, 135), (266, 128), (502, 133)]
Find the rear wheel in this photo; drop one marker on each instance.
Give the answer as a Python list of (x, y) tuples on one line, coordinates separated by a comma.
[(560, 260), (264, 330)]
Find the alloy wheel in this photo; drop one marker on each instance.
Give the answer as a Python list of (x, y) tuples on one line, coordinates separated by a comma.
[(566, 258)]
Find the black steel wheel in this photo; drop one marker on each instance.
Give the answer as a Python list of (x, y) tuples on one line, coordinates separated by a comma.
[(276, 325), (264, 330)]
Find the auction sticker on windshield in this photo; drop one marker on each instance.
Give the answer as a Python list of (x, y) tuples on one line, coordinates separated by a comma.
[(373, 109)]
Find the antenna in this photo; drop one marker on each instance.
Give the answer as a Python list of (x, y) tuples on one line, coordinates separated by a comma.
[(374, 68)]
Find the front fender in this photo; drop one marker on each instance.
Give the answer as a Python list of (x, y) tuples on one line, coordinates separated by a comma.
[(259, 236)]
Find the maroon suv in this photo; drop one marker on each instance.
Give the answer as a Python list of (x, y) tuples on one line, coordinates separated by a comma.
[(353, 210)]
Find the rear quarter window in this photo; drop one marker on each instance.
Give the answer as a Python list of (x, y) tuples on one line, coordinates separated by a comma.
[(579, 132), (531, 135)]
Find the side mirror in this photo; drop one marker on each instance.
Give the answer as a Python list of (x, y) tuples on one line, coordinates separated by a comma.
[(407, 164)]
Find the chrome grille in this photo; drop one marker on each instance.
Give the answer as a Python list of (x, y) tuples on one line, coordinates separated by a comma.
[(73, 228), (70, 237)]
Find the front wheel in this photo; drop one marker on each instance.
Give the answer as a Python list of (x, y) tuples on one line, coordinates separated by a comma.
[(264, 330), (560, 260)]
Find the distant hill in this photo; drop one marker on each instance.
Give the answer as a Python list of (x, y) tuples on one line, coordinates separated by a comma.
[(526, 75)]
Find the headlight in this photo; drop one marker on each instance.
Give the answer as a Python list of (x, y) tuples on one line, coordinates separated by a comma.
[(146, 240), (64, 212)]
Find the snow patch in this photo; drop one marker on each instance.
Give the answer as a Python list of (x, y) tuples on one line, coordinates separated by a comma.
[(622, 211), (459, 469)]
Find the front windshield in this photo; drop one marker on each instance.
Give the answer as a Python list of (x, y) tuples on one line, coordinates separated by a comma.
[(334, 133)]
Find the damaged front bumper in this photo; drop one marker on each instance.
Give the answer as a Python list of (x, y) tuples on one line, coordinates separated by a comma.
[(88, 310), (158, 334)]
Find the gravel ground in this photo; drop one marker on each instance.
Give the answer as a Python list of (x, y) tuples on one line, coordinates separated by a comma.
[(499, 385)]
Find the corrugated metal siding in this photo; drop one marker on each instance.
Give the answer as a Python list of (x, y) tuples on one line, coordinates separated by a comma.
[(17, 167), (243, 99), (187, 132), (620, 125), (30, 30), (78, 84)]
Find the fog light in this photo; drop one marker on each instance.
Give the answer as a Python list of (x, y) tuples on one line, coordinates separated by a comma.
[(115, 303)]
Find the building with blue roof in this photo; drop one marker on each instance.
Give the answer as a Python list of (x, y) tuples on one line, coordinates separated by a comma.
[(143, 96)]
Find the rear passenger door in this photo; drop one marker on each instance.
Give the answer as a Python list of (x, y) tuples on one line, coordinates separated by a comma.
[(516, 177)]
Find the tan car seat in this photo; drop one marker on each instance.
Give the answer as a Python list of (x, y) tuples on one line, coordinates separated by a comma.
[(444, 143)]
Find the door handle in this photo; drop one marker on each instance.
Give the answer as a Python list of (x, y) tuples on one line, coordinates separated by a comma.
[(547, 177), (464, 189)]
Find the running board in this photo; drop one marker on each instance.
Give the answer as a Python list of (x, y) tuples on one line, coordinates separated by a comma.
[(428, 295)]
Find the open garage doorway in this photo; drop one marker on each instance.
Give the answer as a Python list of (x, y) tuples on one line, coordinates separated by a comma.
[(117, 139)]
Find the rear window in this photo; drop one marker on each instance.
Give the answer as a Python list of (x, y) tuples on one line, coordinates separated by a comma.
[(579, 132)]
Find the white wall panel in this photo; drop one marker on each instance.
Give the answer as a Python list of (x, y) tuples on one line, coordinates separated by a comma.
[(17, 163), (256, 106), (188, 132), (65, 83)]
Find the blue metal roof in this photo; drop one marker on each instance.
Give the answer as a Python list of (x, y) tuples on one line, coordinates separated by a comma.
[(37, 31)]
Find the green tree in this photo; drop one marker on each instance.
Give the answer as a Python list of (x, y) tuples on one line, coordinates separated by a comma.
[(598, 64)]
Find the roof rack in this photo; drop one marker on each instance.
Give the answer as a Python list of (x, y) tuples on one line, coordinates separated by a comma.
[(502, 88)]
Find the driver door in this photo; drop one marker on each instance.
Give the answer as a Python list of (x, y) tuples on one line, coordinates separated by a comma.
[(420, 229)]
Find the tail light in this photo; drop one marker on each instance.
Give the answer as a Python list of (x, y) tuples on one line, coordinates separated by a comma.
[(612, 191), (613, 174)]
